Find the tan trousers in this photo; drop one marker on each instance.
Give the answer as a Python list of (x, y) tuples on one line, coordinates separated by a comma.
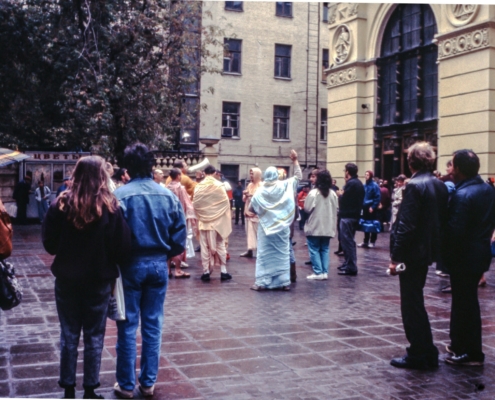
[(252, 233), (212, 251)]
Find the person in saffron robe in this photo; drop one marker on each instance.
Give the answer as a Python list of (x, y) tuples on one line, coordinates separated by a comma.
[(212, 207), (251, 218)]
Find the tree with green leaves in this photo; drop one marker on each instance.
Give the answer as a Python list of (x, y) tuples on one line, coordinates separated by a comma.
[(96, 75)]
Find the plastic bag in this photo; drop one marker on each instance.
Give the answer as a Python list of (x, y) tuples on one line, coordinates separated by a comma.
[(190, 253), (116, 305)]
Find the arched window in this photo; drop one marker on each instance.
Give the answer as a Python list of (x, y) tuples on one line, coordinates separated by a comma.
[(407, 87)]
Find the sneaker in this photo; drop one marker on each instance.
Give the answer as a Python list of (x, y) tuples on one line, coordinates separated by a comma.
[(371, 245), (225, 277), (325, 276), (122, 393), (184, 265), (463, 360), (205, 277), (147, 391), (316, 277), (363, 244)]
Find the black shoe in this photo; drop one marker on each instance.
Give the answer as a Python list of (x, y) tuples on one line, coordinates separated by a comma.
[(308, 263), (248, 254), (338, 253), (224, 277), (463, 360), (197, 249), (347, 272), (92, 396), (405, 362), (342, 268), (205, 277), (294, 243)]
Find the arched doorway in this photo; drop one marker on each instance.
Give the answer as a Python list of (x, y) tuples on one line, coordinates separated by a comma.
[(407, 109)]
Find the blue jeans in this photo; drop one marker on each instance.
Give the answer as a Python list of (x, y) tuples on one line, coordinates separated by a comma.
[(81, 305), (42, 209), (145, 285), (318, 247)]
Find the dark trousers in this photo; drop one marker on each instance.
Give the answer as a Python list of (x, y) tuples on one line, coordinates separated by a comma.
[(414, 316), (239, 209), (465, 317), (347, 232), (81, 305), (21, 217), (304, 217)]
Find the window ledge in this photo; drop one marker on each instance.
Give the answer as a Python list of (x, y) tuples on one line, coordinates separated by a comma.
[(284, 16), (231, 73), (233, 9), (282, 78), (231, 137), (280, 140)]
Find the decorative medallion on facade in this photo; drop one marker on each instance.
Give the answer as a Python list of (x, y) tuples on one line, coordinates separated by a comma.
[(461, 14), (463, 43), (341, 44), (339, 78)]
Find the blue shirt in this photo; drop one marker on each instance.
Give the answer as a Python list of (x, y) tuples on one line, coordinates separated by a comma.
[(155, 217)]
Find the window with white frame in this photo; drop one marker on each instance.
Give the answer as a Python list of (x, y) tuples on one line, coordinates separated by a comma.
[(232, 56), (282, 60), (323, 125), (230, 119), (281, 119)]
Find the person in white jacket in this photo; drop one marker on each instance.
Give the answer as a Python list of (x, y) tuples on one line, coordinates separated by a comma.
[(321, 206), (42, 196)]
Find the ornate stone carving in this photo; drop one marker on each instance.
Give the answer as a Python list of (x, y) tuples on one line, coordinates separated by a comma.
[(353, 9), (342, 42), (339, 78), (461, 14), (463, 43), (342, 11)]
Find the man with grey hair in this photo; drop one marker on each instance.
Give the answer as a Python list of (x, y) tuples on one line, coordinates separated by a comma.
[(415, 240)]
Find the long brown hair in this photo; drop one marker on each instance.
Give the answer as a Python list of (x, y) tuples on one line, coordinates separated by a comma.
[(89, 194)]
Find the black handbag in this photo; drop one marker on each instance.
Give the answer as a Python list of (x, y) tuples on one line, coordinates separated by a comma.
[(10, 288)]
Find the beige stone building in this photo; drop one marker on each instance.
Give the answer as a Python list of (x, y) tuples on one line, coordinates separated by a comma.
[(403, 73), (271, 96)]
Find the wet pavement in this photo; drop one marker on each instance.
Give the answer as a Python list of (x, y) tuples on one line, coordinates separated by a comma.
[(322, 340)]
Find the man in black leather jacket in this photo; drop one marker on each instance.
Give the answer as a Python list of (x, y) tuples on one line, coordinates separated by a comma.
[(350, 205), (416, 241), (471, 220)]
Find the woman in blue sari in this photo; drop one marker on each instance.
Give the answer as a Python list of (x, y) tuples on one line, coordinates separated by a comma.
[(274, 204)]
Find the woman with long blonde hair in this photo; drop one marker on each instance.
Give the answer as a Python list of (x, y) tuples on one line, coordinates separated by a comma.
[(85, 230)]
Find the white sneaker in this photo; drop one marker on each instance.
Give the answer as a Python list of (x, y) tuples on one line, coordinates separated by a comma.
[(371, 245), (363, 244), (325, 276), (184, 265), (315, 277)]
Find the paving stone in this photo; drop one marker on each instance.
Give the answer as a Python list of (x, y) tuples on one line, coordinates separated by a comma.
[(322, 340)]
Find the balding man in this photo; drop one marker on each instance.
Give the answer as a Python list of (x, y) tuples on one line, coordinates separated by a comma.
[(185, 181)]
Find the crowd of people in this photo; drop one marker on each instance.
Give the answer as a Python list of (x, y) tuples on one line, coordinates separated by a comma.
[(139, 223)]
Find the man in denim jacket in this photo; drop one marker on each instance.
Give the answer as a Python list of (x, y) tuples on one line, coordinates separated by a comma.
[(158, 227)]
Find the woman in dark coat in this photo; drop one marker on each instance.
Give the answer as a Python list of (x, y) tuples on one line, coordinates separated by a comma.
[(85, 230)]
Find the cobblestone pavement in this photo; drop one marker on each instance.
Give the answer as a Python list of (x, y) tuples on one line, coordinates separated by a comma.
[(322, 340)]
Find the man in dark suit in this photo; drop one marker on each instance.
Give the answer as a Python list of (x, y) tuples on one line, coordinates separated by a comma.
[(416, 241), (471, 220)]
